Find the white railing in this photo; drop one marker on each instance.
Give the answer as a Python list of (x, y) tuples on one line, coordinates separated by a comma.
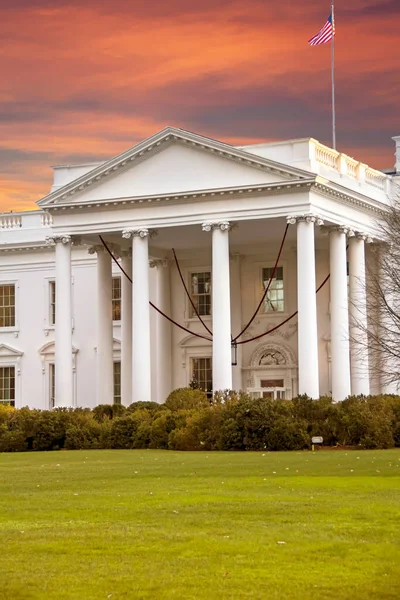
[(351, 167), (47, 220), (10, 221), (346, 165), (375, 178), (326, 156)]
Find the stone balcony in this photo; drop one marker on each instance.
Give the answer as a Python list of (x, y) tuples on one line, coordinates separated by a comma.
[(311, 155), (31, 227)]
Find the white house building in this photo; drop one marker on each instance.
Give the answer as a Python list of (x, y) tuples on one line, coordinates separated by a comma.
[(74, 331)]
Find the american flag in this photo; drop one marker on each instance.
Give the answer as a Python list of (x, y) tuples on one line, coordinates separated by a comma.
[(325, 34)]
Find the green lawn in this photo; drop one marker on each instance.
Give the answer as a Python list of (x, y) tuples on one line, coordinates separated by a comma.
[(151, 524)]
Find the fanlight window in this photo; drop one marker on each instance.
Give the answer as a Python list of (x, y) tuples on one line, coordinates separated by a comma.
[(271, 358)]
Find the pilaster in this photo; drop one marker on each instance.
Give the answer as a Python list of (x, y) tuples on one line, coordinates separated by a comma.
[(63, 326)]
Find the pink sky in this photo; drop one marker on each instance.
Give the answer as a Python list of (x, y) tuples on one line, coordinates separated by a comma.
[(82, 81)]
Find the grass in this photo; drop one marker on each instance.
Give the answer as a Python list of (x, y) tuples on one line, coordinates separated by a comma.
[(147, 524)]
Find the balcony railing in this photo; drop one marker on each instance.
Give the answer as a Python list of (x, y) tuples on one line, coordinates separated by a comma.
[(10, 221), (345, 165)]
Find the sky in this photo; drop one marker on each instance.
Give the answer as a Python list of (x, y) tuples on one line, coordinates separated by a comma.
[(83, 80)]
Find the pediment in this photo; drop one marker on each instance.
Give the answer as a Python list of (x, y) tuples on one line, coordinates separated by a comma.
[(194, 341), (50, 347), (172, 161), (7, 351)]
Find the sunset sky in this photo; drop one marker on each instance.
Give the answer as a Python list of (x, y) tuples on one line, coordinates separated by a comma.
[(82, 80)]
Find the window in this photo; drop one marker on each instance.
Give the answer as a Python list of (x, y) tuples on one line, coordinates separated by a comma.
[(116, 298), (200, 291), (274, 300), (52, 302), (52, 385), (7, 305), (202, 373), (269, 388), (7, 385), (117, 383)]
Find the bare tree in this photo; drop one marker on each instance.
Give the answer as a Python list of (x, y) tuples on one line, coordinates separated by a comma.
[(382, 331)]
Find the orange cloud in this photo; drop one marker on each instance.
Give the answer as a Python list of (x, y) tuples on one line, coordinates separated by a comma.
[(81, 81)]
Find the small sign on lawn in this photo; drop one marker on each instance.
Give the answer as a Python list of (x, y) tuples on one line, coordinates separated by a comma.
[(317, 440)]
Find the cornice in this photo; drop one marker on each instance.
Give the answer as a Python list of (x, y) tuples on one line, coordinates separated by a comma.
[(345, 196), (196, 195), (155, 144), (24, 246)]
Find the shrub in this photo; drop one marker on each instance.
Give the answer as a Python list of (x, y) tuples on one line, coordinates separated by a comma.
[(287, 434), (368, 422), (186, 398), (151, 406), (123, 430), (11, 440), (87, 434), (5, 412), (108, 411), (230, 436), (49, 429), (188, 421), (159, 432), (183, 439), (143, 434)]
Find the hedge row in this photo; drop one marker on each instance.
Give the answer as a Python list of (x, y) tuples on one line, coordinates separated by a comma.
[(188, 421)]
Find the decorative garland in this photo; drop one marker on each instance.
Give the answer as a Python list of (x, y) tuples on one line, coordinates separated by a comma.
[(188, 294), (151, 304), (234, 342), (266, 289)]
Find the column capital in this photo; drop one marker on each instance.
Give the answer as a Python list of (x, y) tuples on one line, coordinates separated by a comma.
[(141, 232), (52, 240), (293, 219), (365, 237), (97, 248), (222, 225), (159, 262), (346, 229)]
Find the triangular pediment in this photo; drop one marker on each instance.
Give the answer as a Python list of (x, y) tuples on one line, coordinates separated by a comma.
[(8, 351), (172, 161)]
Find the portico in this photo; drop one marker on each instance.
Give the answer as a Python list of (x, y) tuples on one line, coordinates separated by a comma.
[(143, 355), (224, 210)]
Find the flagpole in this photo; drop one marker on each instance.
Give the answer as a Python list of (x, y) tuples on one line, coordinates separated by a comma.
[(333, 78)]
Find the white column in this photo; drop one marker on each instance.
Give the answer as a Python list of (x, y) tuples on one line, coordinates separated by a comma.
[(105, 372), (163, 334), (63, 346), (221, 306), (126, 330), (307, 305), (340, 347), (141, 365), (358, 317), (236, 311)]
